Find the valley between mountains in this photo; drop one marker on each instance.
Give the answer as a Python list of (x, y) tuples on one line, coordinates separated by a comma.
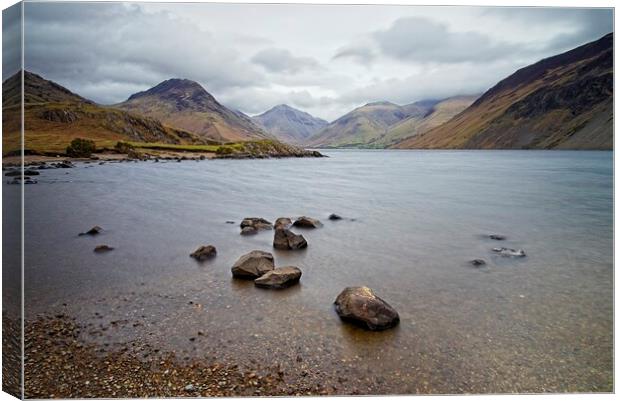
[(562, 102)]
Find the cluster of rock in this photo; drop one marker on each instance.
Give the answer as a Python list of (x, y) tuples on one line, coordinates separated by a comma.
[(260, 267), (502, 251)]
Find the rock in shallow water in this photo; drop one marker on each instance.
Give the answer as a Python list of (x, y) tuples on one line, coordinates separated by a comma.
[(477, 262), (253, 265), (256, 222), (281, 277), (249, 230), (497, 237), (519, 253), (283, 222), (285, 239), (360, 305), (102, 248), (307, 222), (93, 231), (204, 252), (334, 216)]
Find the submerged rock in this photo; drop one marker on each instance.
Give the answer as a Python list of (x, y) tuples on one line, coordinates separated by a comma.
[(253, 265), (281, 277), (307, 222), (102, 248), (204, 252), (93, 231), (510, 252), (477, 262), (286, 239), (283, 222), (497, 237), (361, 306), (334, 216)]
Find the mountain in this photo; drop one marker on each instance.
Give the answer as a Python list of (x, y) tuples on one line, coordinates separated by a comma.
[(561, 102), (36, 90), (289, 124), (365, 124), (438, 113), (186, 105), (53, 116)]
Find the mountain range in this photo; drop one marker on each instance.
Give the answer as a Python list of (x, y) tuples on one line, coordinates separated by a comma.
[(289, 124), (561, 102)]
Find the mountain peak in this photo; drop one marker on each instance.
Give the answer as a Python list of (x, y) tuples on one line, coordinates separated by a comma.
[(176, 88), (380, 103)]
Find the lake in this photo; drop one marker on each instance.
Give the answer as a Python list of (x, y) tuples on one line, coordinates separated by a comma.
[(412, 221)]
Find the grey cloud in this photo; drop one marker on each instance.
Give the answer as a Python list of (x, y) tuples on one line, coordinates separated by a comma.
[(107, 49), (362, 54), (423, 40), (11, 40), (282, 60)]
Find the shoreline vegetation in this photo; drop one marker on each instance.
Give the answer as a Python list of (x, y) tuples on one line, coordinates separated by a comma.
[(134, 151)]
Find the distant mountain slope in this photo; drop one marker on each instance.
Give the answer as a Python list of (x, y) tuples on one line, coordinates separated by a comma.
[(564, 102), (289, 124), (185, 104), (439, 113), (365, 124), (53, 116), (36, 90)]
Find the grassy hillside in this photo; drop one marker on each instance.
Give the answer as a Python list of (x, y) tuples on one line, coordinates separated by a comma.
[(363, 125), (562, 102), (440, 113)]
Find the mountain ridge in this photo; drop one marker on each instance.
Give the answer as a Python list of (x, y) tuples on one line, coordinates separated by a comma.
[(560, 102)]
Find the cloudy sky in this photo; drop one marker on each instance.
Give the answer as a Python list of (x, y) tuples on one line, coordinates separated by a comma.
[(322, 59)]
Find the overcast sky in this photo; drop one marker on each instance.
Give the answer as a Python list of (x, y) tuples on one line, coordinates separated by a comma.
[(322, 59)]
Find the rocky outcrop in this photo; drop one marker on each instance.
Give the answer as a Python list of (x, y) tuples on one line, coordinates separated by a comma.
[(253, 265), (361, 306), (282, 277), (204, 252), (307, 222), (285, 239)]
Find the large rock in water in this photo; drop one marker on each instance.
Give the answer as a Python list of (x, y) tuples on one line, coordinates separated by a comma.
[(360, 305), (283, 222), (256, 222), (285, 239), (253, 265), (281, 277), (204, 252), (307, 222)]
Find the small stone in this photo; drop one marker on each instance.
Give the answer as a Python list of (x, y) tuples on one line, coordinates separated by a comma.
[(282, 277), (507, 252), (477, 262), (307, 222), (497, 237), (334, 216), (93, 231), (102, 248), (204, 252), (189, 387)]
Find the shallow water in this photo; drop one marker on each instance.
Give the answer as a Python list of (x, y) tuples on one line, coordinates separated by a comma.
[(412, 221)]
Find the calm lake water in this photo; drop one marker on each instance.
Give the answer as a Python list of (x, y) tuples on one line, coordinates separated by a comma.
[(413, 219)]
